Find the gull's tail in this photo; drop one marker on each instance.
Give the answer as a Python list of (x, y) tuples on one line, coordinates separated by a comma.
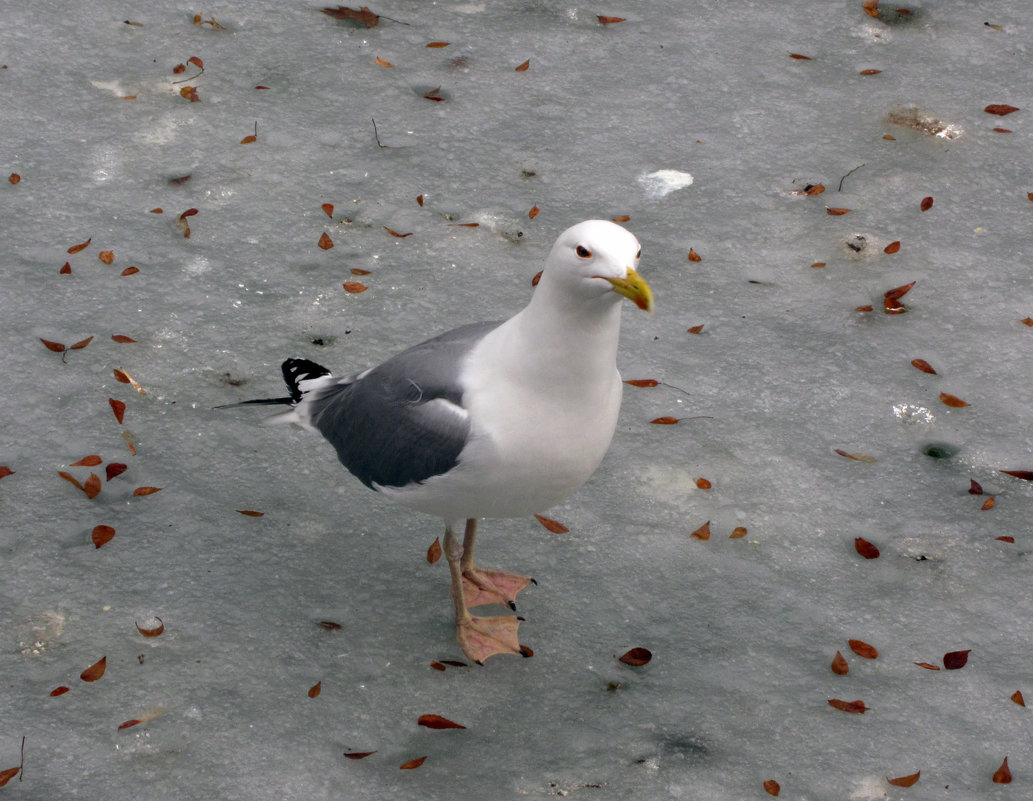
[(295, 373)]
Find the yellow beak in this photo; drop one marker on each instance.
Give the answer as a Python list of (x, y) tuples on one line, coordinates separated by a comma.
[(635, 288)]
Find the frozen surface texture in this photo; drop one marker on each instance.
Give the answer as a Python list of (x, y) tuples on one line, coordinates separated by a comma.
[(783, 373)]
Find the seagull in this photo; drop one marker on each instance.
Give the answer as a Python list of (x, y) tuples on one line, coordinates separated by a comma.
[(493, 419)]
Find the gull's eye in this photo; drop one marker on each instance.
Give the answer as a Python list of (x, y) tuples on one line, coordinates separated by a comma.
[(638, 255), (583, 252)]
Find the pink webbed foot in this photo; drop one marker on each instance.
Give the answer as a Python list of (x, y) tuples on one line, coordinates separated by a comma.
[(481, 637), (482, 587)]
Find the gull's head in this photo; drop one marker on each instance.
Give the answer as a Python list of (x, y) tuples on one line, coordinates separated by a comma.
[(596, 258)]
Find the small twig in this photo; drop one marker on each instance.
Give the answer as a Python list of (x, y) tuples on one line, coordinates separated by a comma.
[(21, 767), (377, 135), (855, 169)]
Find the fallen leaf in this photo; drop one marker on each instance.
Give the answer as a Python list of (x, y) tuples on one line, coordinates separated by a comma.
[(552, 525), (121, 377), (437, 722), (437, 665), (436, 44), (129, 723), (119, 408), (1000, 109), (412, 764), (14, 178), (434, 551), (57, 347), (354, 287), (871, 7), (146, 491), (106, 256), (325, 242), (636, 657), (360, 16), (772, 787), (533, 212), (130, 271), (113, 469), (953, 401), (122, 338), (250, 513), (863, 649), (1003, 774), (694, 256), (609, 20), (95, 671), (955, 660), (180, 180), (190, 93), (870, 72), (865, 548), (891, 248), (315, 689), (59, 691), (1025, 475), (1005, 538), (703, 484), (7, 775), (927, 666), (987, 504), (328, 210), (127, 437), (857, 457), (905, 781), (82, 343), (358, 271), (664, 421), (923, 365), (395, 233), (839, 664), (737, 533), (696, 329), (1002, 130), (855, 707), (358, 754), (836, 212), (5, 471), (102, 535), (155, 631), (974, 487), (329, 625), (799, 57), (1017, 698), (897, 293), (865, 308), (620, 218), (702, 533), (66, 269), (383, 62), (80, 246), (523, 67), (91, 486), (433, 95), (453, 663), (642, 382), (249, 139), (70, 478), (87, 461), (926, 204), (419, 201)]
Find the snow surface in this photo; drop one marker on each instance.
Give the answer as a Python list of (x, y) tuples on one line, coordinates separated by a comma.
[(783, 373)]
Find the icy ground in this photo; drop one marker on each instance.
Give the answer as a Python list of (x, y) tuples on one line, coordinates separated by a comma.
[(784, 372)]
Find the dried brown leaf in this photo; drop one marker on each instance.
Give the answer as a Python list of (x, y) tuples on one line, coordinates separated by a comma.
[(88, 461), (82, 343), (642, 382), (621, 218), (434, 551), (325, 242), (102, 535), (106, 256), (122, 338), (437, 44), (1000, 109), (987, 504), (1017, 698), (153, 631), (604, 20), (328, 210), (146, 491), (533, 212), (113, 469), (14, 178), (837, 212), (250, 513), (358, 754), (738, 533), (923, 365), (926, 204), (870, 72), (7, 775), (799, 57), (80, 246), (1025, 475), (636, 657), (119, 408), (395, 233), (865, 548), (955, 660), (354, 287), (91, 486), (863, 649), (664, 421), (437, 722), (694, 256), (927, 666), (360, 16), (95, 671), (855, 707), (190, 93), (59, 691), (70, 478), (891, 248), (839, 665), (552, 525), (383, 62), (412, 764), (315, 689), (437, 665), (249, 139), (772, 787), (703, 484), (57, 347), (702, 533), (1003, 774), (696, 329), (952, 400), (523, 67), (905, 781)]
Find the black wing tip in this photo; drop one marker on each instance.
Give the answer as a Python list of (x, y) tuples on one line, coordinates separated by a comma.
[(297, 370)]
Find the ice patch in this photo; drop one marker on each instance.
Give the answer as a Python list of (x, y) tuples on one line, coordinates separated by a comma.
[(663, 182)]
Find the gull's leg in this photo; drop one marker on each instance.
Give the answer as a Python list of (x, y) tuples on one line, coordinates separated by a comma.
[(479, 637), (487, 586)]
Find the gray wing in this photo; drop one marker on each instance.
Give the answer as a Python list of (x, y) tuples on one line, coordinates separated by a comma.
[(384, 423)]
